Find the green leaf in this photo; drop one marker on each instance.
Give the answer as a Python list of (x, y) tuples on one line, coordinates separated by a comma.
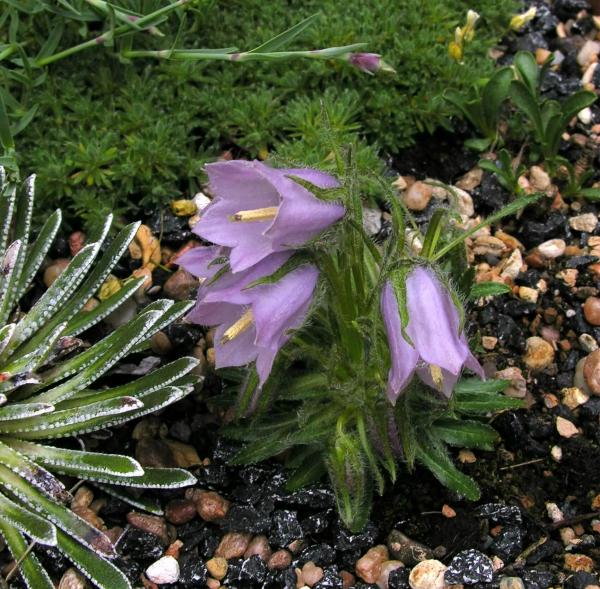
[(98, 570), (32, 572), (286, 37), (478, 386), (591, 193), (487, 289), (434, 232), (526, 102), (158, 478), (465, 433), (494, 94), (25, 521), (479, 144), (575, 103), (436, 459), (527, 70), (479, 404), (6, 138)]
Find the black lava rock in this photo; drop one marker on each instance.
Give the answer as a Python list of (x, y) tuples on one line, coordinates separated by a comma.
[(193, 570), (535, 232), (398, 579), (545, 551), (581, 580), (535, 579), (253, 570), (509, 542), (140, 545), (565, 9), (245, 518), (347, 541), (469, 567), (321, 554), (285, 527), (500, 513), (331, 579)]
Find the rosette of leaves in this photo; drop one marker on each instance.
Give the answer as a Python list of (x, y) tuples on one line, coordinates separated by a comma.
[(47, 392)]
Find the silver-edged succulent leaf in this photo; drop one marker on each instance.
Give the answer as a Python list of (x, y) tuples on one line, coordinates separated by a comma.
[(47, 376)]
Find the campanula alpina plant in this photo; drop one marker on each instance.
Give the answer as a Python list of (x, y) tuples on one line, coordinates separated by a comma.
[(354, 350)]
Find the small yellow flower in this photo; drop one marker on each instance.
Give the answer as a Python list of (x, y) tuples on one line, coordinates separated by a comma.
[(518, 21)]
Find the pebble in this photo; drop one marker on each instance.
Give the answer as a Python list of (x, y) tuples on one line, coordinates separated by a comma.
[(489, 342), (553, 248), (280, 559), (528, 294), (386, 568), (371, 221), (428, 574), (406, 549), (464, 202), (149, 523), (539, 178), (585, 115), (469, 567), (539, 354), (368, 566), (566, 428), (579, 562), (309, 575), (164, 571), (587, 342), (518, 384), (233, 545), (591, 372), (417, 196), (588, 53), (470, 180), (511, 583), (72, 580), (54, 270), (259, 546), (586, 222), (573, 397), (210, 505), (180, 285), (217, 567), (180, 511), (76, 242), (556, 453), (511, 267), (591, 310)]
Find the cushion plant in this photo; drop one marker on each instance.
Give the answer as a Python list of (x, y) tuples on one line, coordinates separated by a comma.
[(46, 376)]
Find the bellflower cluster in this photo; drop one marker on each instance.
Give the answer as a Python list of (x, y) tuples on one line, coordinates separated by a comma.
[(257, 219), (373, 379)]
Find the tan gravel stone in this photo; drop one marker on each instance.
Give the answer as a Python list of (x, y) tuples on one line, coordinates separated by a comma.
[(368, 566), (539, 354)]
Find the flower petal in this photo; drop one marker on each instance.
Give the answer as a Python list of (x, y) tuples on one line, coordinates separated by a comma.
[(240, 350), (434, 322), (404, 357), (281, 307), (197, 261), (264, 364), (316, 177), (449, 380)]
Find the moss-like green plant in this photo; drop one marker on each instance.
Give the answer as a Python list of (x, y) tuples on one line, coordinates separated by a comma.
[(46, 392)]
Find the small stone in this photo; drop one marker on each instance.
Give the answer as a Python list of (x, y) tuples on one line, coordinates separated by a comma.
[(164, 571), (217, 567), (180, 511), (585, 115), (568, 276), (511, 267), (470, 180), (489, 342), (469, 567), (181, 285), (371, 221), (573, 397), (185, 454), (386, 568), (76, 242), (539, 178), (184, 207), (588, 53), (149, 523), (448, 512), (210, 505), (539, 354), (428, 574), (259, 546), (591, 372), (585, 223), (72, 580), (464, 202), (579, 562), (556, 453), (591, 310), (417, 196), (280, 559), (518, 384), (400, 183), (553, 248), (530, 295), (466, 456), (511, 583), (566, 428), (233, 545), (348, 579), (309, 575), (407, 550), (587, 342), (368, 566), (54, 270)]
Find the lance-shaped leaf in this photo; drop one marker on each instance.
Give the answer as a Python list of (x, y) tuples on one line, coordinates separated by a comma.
[(58, 514), (37, 528)]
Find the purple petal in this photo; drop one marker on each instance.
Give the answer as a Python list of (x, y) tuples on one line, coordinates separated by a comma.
[(316, 177), (404, 357), (367, 62), (301, 215), (264, 364), (281, 307), (449, 380), (473, 365), (434, 322), (197, 261), (240, 350), (213, 313)]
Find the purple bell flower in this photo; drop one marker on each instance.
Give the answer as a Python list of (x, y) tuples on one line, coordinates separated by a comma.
[(253, 323), (438, 351), (259, 210), (370, 63)]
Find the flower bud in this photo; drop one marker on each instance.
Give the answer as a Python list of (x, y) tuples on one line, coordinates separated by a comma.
[(369, 63), (518, 21)]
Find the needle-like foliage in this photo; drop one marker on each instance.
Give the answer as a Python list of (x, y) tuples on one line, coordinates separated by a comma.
[(46, 380)]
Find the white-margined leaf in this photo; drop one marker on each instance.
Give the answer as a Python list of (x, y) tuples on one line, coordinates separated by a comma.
[(22, 410), (36, 527)]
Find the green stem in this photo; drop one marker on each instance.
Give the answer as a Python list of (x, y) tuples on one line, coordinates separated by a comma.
[(144, 21)]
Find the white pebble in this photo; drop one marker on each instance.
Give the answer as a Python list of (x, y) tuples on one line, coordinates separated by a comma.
[(165, 570), (428, 574), (553, 248), (585, 116)]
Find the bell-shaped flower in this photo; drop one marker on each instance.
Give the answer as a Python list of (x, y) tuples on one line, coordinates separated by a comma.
[(260, 210), (253, 322), (437, 350), (370, 63)]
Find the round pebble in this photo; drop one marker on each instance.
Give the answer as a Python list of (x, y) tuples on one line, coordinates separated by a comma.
[(591, 310), (553, 248), (591, 372), (428, 574), (539, 354), (164, 571), (418, 195)]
